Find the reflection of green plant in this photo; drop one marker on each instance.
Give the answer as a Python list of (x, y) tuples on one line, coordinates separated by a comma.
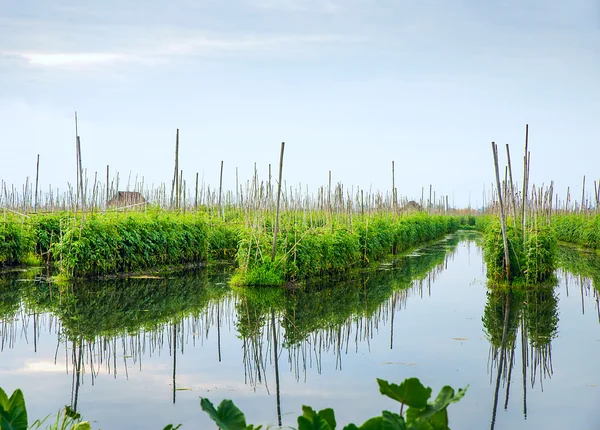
[(494, 314), (538, 305), (541, 315), (421, 414), (581, 263), (330, 303)]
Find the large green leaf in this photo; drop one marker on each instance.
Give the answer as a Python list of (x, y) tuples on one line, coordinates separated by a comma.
[(323, 420), (372, 424), (443, 399), (410, 392), (329, 416), (317, 423), (13, 413), (392, 421), (420, 424), (439, 421), (227, 416)]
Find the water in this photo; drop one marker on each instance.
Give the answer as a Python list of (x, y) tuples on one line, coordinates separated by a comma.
[(140, 353)]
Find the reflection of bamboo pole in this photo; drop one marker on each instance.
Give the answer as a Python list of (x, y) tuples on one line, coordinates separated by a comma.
[(524, 364), (276, 360), (502, 355), (174, 348)]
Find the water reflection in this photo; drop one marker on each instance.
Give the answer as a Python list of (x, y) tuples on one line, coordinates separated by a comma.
[(524, 319), (106, 327)]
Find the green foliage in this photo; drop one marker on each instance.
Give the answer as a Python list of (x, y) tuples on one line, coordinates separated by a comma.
[(420, 413), (531, 261), (331, 248), (13, 412), (578, 229), (103, 244), (15, 241), (66, 419)]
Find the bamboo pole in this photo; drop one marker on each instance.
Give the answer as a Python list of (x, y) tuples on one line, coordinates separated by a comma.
[(37, 177), (278, 201), (502, 217), (512, 189), (525, 180)]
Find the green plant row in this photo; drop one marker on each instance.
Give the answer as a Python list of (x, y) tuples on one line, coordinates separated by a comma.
[(303, 251), (532, 259), (16, 241), (578, 229)]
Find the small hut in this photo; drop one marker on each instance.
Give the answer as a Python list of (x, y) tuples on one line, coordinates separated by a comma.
[(126, 198)]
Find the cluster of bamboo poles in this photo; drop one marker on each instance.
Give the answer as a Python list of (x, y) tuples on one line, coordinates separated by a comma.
[(88, 194)]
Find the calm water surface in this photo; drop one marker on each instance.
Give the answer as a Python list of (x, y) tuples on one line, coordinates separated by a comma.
[(139, 353)]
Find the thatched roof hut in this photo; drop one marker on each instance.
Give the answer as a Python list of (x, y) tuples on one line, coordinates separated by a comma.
[(126, 198)]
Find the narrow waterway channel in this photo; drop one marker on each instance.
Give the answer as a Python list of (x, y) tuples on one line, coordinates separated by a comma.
[(139, 353)]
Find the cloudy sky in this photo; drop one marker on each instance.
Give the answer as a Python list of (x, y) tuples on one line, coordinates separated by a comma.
[(349, 85)]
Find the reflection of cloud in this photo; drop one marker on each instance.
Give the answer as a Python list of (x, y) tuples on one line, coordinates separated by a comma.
[(43, 366)]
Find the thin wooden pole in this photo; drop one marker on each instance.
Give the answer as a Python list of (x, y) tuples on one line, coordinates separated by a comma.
[(37, 177), (512, 189), (220, 186), (525, 178), (278, 201), (107, 184), (582, 195), (502, 218)]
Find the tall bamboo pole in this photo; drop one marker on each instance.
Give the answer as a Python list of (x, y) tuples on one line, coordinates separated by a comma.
[(502, 217), (278, 201)]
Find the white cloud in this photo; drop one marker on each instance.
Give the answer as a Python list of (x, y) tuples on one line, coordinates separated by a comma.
[(154, 46), (328, 6)]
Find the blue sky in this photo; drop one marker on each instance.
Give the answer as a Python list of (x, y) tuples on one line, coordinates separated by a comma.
[(348, 85)]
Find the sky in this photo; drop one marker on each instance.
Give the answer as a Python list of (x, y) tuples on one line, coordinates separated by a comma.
[(349, 85)]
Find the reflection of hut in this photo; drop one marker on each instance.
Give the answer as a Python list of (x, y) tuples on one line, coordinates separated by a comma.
[(126, 198)]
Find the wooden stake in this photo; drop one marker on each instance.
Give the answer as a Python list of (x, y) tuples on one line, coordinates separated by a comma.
[(502, 218), (278, 201), (37, 177)]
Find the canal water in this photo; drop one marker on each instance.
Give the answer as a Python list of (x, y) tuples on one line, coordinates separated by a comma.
[(140, 353)]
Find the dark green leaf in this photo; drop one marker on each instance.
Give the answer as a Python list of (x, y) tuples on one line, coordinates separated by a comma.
[(351, 427), (172, 427), (329, 416), (13, 413), (317, 423), (439, 420), (372, 424), (392, 421), (410, 392), (251, 427), (227, 416), (420, 424)]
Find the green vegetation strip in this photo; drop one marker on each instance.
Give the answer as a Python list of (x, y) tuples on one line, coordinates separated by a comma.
[(310, 243)]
